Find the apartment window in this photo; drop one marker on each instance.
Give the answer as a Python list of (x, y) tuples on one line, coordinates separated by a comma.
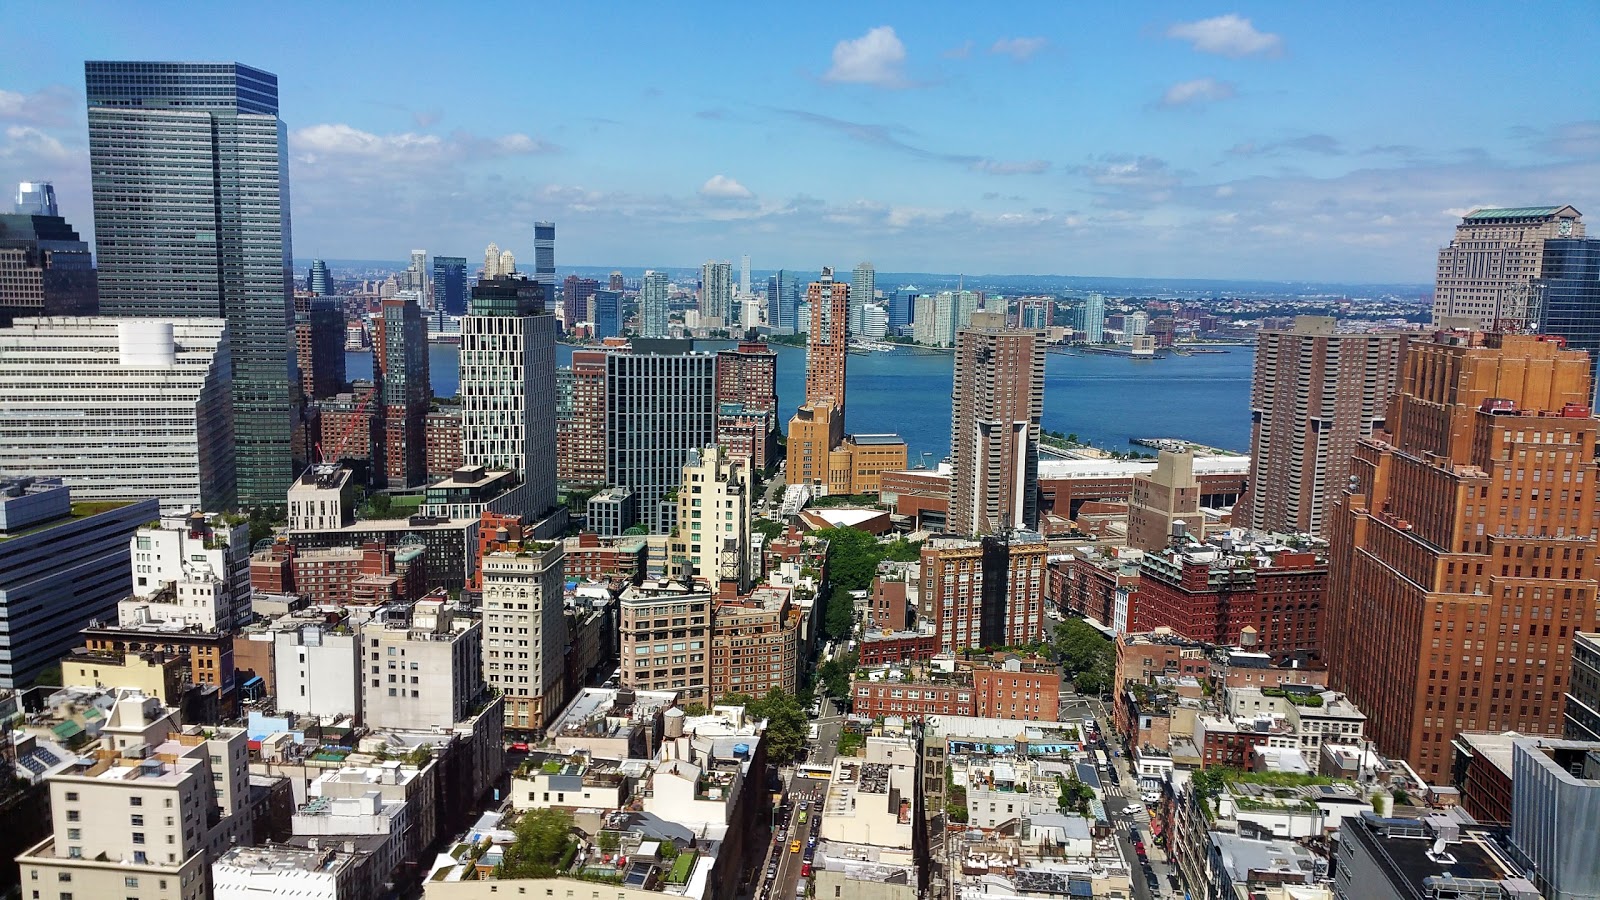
[(72, 815), (138, 837), (130, 881), (135, 801), (72, 796)]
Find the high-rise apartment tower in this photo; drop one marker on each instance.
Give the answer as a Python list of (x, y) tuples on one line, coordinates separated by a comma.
[(996, 403)]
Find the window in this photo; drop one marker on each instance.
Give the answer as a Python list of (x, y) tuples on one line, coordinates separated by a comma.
[(72, 815), (135, 801), (72, 796)]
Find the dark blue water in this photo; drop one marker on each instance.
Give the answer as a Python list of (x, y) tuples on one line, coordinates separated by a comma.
[(1104, 399)]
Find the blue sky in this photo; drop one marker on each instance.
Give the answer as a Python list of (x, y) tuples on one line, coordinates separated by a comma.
[(1277, 141)]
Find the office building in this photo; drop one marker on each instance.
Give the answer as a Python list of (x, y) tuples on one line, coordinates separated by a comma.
[(508, 386), (744, 275), (874, 322), (319, 327), (616, 282), (1555, 800), (612, 512), (997, 400), (827, 344), (1487, 272), (1091, 321), (450, 284), (1568, 295), (1469, 520), (649, 663), (575, 300), (428, 664), (814, 430), (147, 813), (581, 424), (36, 198), (902, 309), (660, 407), (984, 593), (716, 294), (712, 543), (400, 351), (192, 569), (863, 287), (1316, 394), (45, 270), (1161, 500), (221, 120), (1583, 689), (544, 257), (605, 310), (783, 302), (525, 630), (1407, 858), (64, 565), (120, 409), (317, 280), (654, 307)]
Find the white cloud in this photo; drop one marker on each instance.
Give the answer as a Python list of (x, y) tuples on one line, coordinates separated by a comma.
[(338, 143), (1200, 90), (24, 142), (960, 51), (1018, 167), (1229, 35), (721, 187), (875, 58), (49, 106), (1019, 48)]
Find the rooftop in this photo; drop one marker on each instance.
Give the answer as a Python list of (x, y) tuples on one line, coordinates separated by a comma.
[(1515, 212), (284, 859)]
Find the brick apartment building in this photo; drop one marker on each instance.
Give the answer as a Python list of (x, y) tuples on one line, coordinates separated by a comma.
[(1212, 594)]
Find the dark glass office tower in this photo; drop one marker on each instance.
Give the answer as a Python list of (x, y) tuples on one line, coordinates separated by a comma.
[(1569, 294), (189, 165), (450, 284), (544, 257)]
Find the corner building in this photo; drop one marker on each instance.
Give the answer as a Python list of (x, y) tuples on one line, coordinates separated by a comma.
[(1462, 555)]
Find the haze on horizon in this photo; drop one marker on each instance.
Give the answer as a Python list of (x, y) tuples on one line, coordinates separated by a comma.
[(1333, 143)]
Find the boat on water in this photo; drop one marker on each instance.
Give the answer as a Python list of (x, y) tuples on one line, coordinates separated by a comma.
[(869, 346)]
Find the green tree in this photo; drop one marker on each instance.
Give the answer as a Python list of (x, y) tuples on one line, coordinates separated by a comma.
[(768, 528), (379, 505), (543, 836), (902, 550), (786, 723), (839, 618), (1075, 795), (852, 557), (1085, 656), (835, 674)]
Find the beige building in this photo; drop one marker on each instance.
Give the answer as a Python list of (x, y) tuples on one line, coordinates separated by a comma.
[(145, 815), (755, 644), (1486, 273), (996, 403), (1161, 499), (424, 666), (817, 427), (1315, 395), (666, 635), (525, 632), (712, 541)]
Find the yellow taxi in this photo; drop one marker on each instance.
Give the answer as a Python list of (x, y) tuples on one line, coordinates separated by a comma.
[(794, 846)]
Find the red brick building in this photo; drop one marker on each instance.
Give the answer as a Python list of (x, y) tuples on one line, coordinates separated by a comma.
[(581, 434), (349, 425), (596, 558), (881, 648), (364, 576), (1212, 595), (1009, 687), (1086, 584), (442, 434), (889, 609)]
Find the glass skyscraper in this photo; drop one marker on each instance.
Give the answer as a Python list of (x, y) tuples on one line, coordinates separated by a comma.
[(783, 300), (191, 208), (544, 257), (450, 284), (1569, 294)]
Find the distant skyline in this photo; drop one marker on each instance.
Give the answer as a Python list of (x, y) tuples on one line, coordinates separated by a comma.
[(1170, 140)]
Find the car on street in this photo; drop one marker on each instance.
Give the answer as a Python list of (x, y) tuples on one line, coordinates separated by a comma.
[(1154, 883), (804, 805), (805, 871), (794, 846), (1132, 809)]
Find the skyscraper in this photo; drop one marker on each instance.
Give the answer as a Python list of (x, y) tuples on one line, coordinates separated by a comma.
[(45, 270), (581, 425), (653, 305), (616, 283), (744, 275), (997, 400), (1486, 273), (605, 309), (525, 632), (1091, 324), (491, 261), (319, 328), (1467, 531), (450, 284), (318, 280), (575, 294), (508, 386), (716, 292), (416, 274), (38, 198), (544, 258), (863, 285), (783, 301), (1569, 295), (827, 348), (1315, 395), (201, 146), (400, 350), (902, 310), (660, 407)]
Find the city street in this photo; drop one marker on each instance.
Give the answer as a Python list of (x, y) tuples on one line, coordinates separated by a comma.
[(829, 725), (1119, 791), (781, 853)]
